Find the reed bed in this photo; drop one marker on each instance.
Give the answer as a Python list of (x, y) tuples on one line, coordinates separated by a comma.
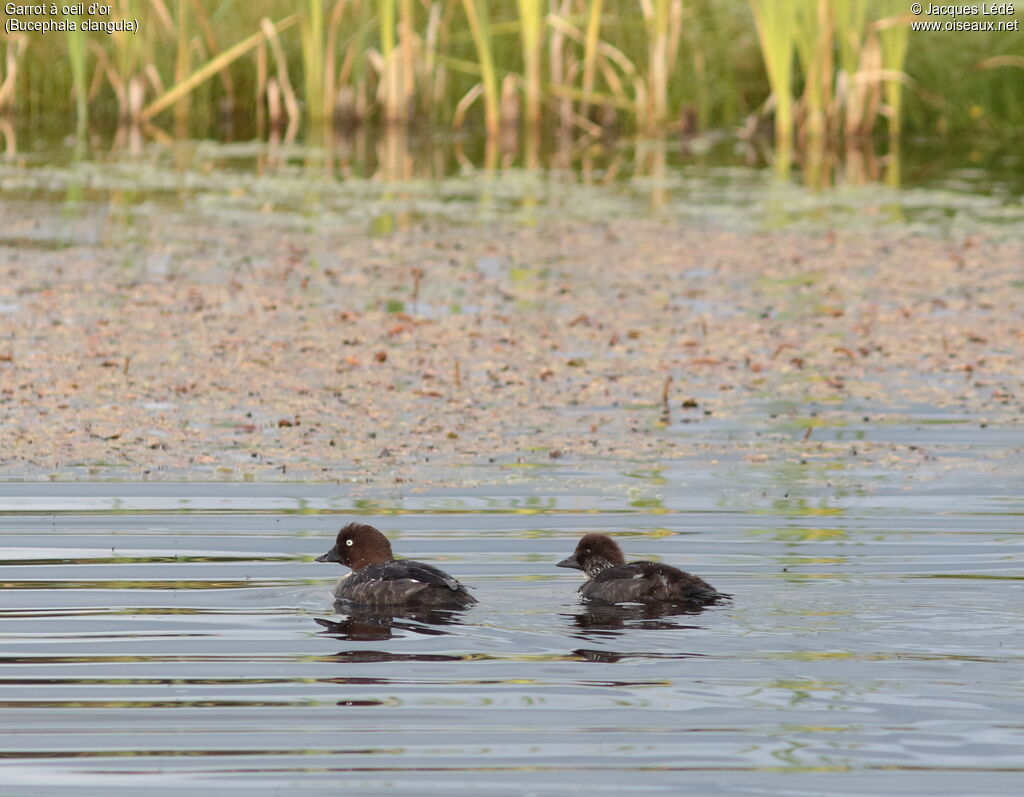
[(816, 68)]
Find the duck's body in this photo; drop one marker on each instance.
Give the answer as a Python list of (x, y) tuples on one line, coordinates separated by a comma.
[(401, 581), (612, 580), (378, 579)]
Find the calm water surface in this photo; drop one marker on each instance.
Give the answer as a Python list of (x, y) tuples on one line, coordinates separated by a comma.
[(161, 638)]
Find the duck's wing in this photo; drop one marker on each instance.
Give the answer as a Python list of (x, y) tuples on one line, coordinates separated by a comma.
[(451, 592), (379, 584), (400, 581), (427, 574)]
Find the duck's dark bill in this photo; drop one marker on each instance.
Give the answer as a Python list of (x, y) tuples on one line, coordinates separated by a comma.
[(330, 556), (570, 561)]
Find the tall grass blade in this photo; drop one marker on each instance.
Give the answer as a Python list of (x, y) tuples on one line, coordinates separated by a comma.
[(814, 42), (530, 20), (894, 33), (79, 79), (213, 66), (182, 66), (311, 34), (590, 51), (476, 14), (774, 19)]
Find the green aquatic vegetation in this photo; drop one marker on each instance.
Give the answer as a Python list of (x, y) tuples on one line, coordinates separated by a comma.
[(801, 534)]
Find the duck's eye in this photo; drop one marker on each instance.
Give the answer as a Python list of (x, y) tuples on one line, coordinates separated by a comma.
[(348, 542)]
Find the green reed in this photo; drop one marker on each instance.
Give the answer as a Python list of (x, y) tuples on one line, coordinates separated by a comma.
[(813, 39), (531, 21), (851, 58), (590, 51), (776, 32), (311, 33), (76, 42), (476, 15), (895, 36)]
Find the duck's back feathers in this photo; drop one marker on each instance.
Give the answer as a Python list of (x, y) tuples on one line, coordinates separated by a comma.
[(402, 581), (648, 582)]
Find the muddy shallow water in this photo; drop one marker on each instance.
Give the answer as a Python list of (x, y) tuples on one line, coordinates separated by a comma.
[(163, 637)]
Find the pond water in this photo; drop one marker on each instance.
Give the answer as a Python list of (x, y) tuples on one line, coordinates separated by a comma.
[(163, 637), (380, 181)]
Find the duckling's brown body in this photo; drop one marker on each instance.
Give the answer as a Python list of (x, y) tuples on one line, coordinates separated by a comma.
[(612, 580)]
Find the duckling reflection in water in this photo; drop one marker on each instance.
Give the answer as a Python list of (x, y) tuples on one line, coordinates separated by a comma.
[(614, 618), (615, 656)]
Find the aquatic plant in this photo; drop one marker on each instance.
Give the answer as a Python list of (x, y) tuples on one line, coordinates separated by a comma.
[(850, 62)]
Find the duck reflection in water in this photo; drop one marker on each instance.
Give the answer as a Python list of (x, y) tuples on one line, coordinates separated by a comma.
[(376, 623)]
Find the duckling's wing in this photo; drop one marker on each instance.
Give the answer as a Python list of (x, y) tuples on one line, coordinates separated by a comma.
[(647, 582), (680, 585), (619, 584)]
